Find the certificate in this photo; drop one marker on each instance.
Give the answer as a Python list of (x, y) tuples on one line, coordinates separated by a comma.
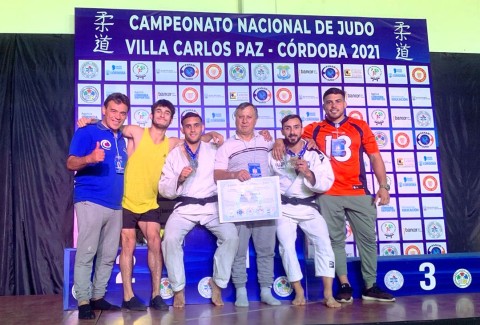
[(255, 199)]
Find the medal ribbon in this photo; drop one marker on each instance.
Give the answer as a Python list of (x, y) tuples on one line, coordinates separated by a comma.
[(192, 155)]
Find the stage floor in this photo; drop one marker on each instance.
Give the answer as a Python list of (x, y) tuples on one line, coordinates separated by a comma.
[(428, 309)]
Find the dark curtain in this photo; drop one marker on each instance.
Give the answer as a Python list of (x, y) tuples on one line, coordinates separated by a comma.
[(456, 84), (37, 100), (36, 125)]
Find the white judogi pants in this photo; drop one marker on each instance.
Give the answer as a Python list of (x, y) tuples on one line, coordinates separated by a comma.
[(178, 226), (317, 233)]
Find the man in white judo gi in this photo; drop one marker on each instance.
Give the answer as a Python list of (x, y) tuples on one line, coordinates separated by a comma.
[(188, 176), (303, 173)]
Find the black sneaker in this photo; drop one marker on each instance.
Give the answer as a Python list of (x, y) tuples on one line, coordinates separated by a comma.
[(344, 294), (134, 304), (85, 312), (102, 304), (376, 294), (158, 303)]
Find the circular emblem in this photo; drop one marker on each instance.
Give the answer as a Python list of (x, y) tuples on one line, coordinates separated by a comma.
[(89, 94), (140, 70), (283, 72), (330, 73), (430, 183), (388, 229), (166, 290), (381, 138), (423, 118), (261, 72), (356, 115), (462, 278), (284, 95), (262, 95), (189, 71), (435, 229), (213, 71), (412, 250), (282, 287), (436, 249), (378, 116), (238, 72), (389, 250), (425, 139), (393, 280), (105, 144), (190, 95), (204, 288), (374, 72), (89, 69), (419, 74), (402, 140), (141, 116)]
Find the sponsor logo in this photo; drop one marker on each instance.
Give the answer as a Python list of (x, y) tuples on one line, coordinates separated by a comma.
[(388, 229), (261, 72), (425, 139), (141, 116), (282, 287), (393, 280), (462, 278), (284, 95), (375, 73), (140, 70), (430, 183), (115, 70), (189, 71), (106, 145), (190, 95), (89, 94), (381, 138), (435, 229), (215, 117), (204, 288), (166, 290), (213, 71), (283, 72), (356, 114), (89, 69), (378, 117), (423, 118), (402, 140), (330, 73), (389, 250), (436, 249), (419, 74), (238, 72), (262, 95), (412, 250)]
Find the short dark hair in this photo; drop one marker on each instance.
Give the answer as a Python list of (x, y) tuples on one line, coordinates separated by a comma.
[(117, 98), (291, 117), (164, 103), (244, 105), (334, 91), (190, 114)]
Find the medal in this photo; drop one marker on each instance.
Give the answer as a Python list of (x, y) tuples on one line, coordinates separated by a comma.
[(193, 157)]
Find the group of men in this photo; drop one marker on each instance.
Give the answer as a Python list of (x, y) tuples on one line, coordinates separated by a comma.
[(322, 182)]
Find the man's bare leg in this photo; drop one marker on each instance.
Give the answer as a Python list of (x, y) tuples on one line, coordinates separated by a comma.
[(216, 293), (126, 261), (328, 299), (179, 299), (151, 231), (299, 294)]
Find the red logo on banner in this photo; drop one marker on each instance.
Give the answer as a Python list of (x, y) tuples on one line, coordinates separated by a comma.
[(284, 95), (190, 95), (402, 140), (430, 183)]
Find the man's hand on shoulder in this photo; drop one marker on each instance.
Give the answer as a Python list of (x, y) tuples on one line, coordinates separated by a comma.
[(278, 150), (84, 121), (266, 135)]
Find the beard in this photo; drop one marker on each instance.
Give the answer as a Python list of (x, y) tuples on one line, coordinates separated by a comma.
[(292, 140), (191, 140)]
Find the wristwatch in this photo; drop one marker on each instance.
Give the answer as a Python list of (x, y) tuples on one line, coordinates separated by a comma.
[(385, 186)]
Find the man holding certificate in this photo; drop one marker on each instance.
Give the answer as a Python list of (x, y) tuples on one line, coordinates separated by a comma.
[(188, 176), (243, 156), (303, 173)]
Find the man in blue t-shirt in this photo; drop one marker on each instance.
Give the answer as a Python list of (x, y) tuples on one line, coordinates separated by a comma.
[(98, 154)]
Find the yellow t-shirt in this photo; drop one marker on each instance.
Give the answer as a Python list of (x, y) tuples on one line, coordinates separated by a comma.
[(142, 173)]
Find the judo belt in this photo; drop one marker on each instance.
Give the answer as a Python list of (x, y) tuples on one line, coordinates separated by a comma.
[(186, 200), (298, 201)]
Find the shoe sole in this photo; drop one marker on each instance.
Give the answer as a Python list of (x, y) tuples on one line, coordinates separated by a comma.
[(377, 299), (161, 308), (345, 301)]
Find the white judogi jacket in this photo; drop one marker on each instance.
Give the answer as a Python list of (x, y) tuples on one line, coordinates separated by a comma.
[(200, 184), (293, 185)]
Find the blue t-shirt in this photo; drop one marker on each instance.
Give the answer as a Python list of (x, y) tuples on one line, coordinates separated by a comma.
[(99, 183)]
